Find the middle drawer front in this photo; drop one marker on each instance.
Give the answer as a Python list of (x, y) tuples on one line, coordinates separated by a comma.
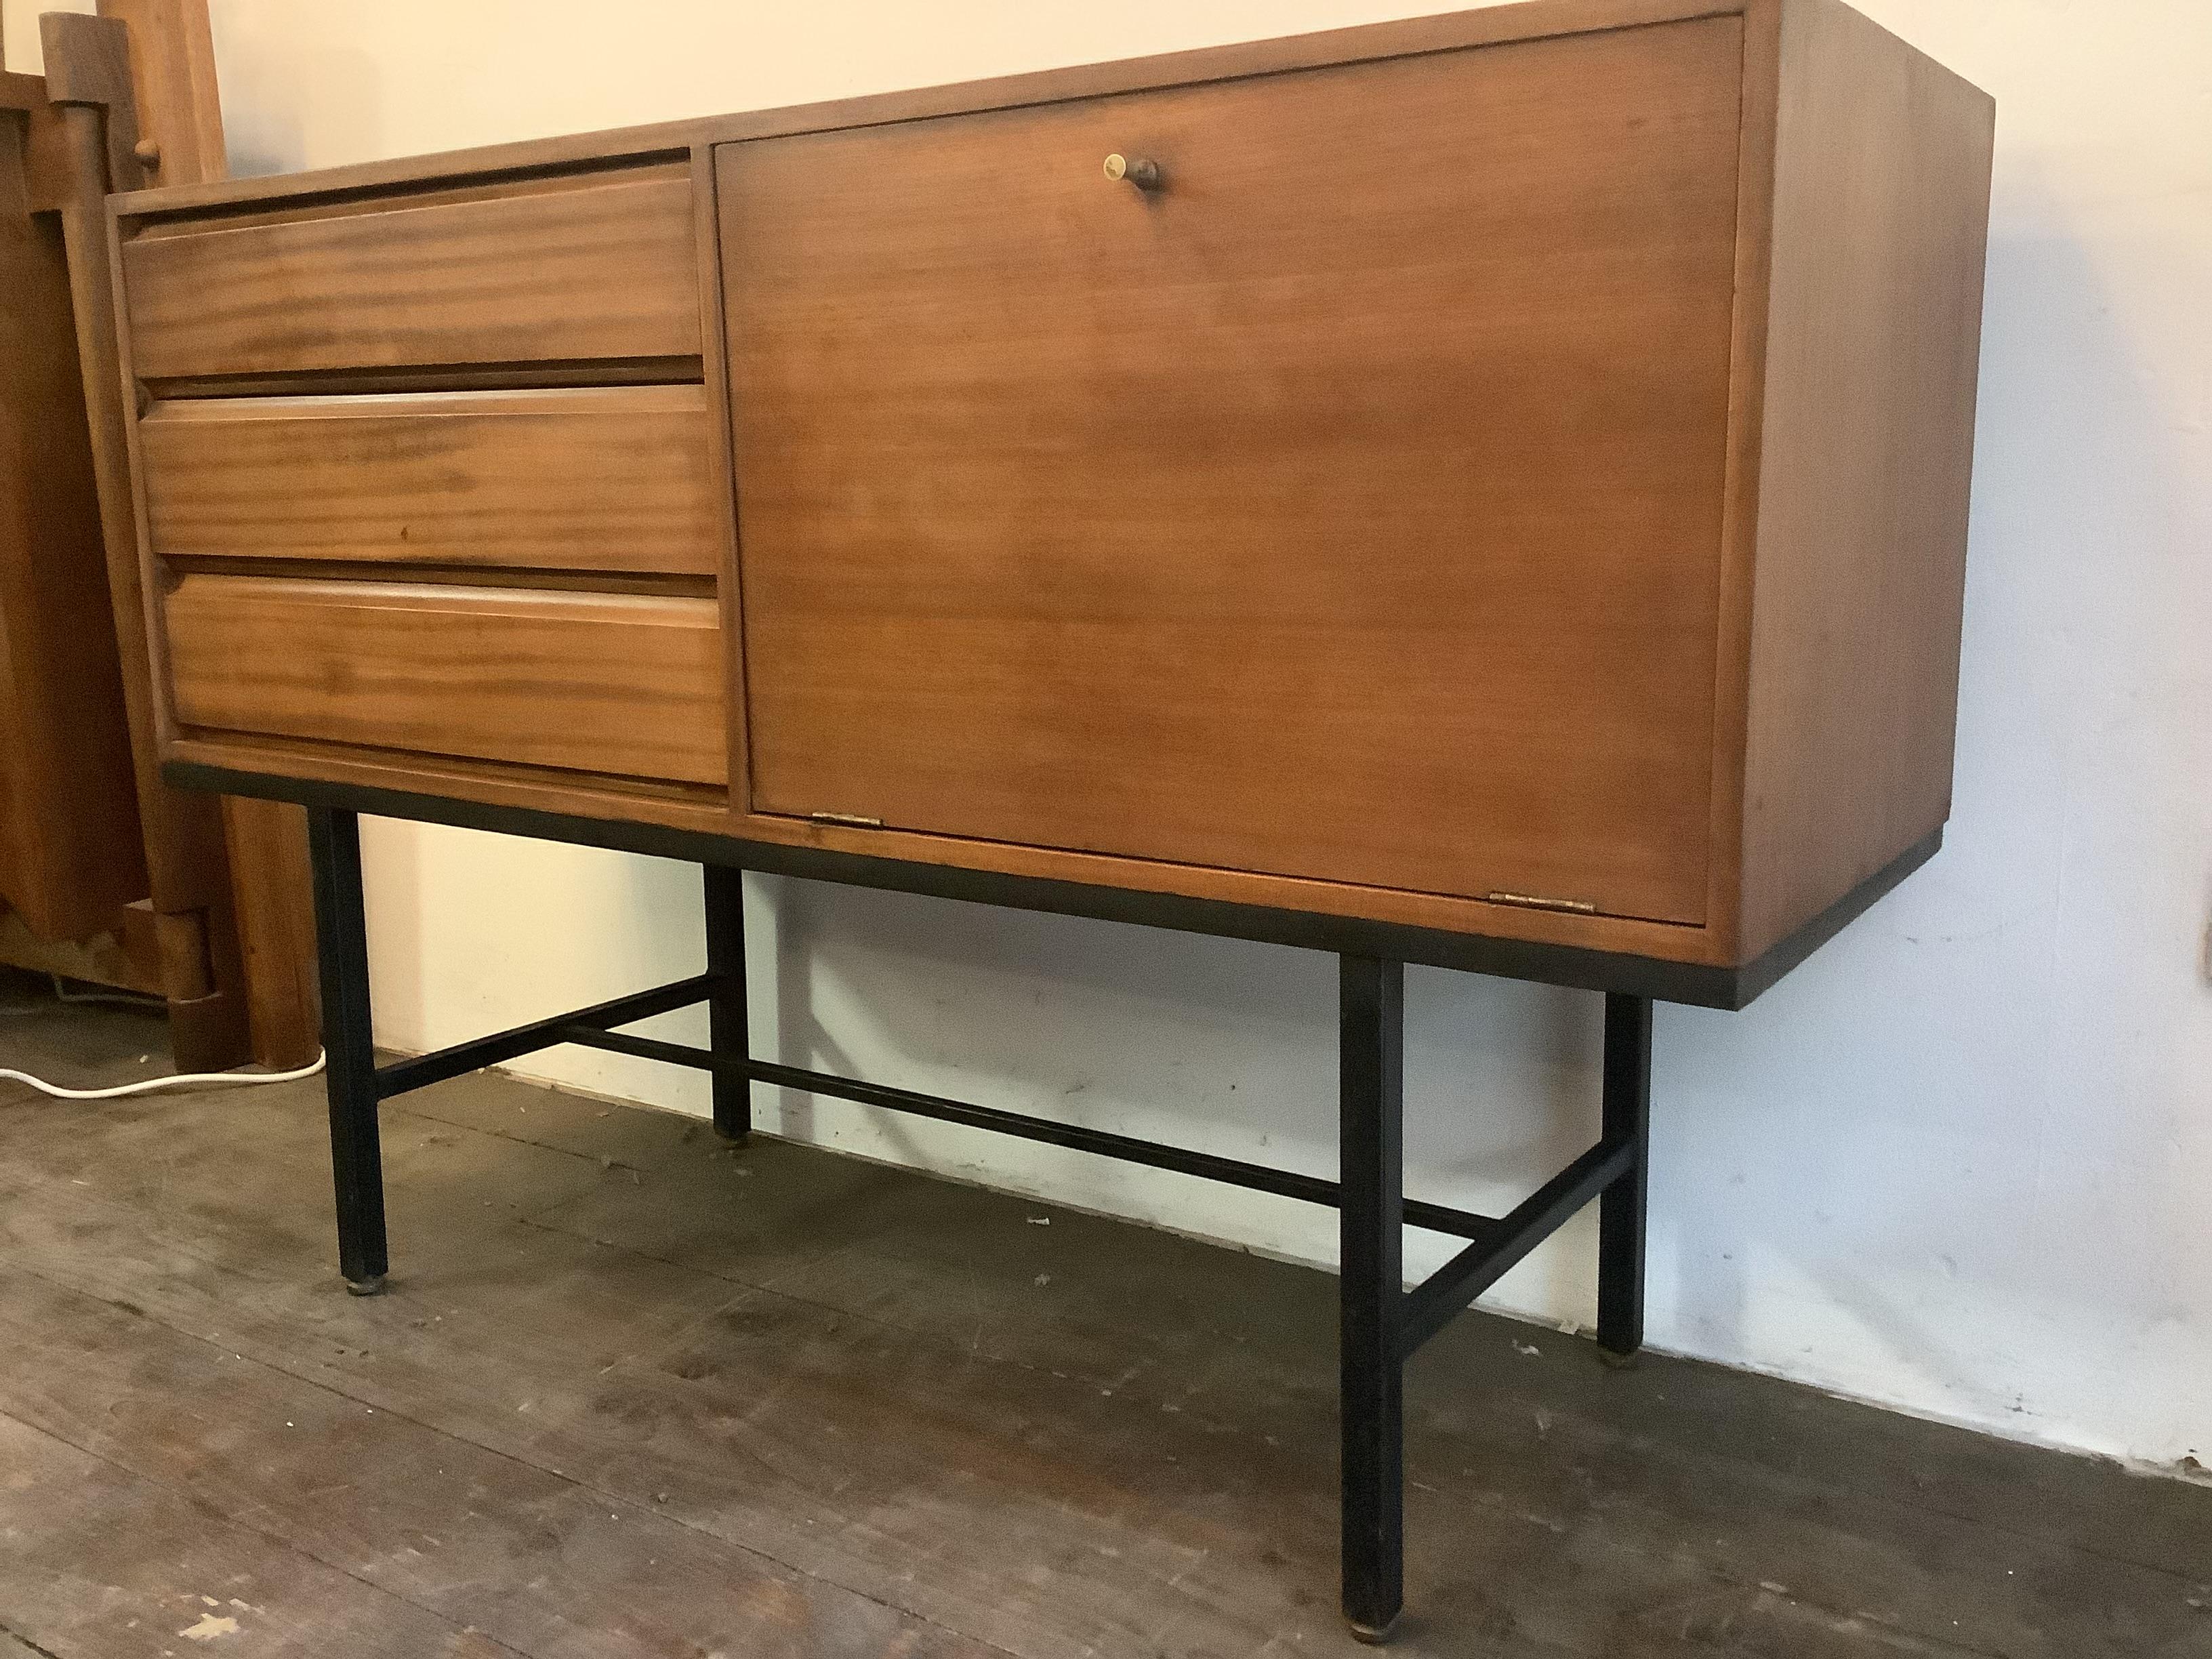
[(616, 479), (618, 685)]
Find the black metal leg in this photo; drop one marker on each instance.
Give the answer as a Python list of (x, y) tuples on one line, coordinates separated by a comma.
[(1371, 1082), (342, 945), (726, 1031), (1381, 1324), (1621, 1214)]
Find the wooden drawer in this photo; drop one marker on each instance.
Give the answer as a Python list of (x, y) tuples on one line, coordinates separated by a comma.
[(1347, 508), (572, 268), (615, 479), (627, 686)]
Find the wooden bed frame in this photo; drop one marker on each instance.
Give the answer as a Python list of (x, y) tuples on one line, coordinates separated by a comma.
[(106, 873)]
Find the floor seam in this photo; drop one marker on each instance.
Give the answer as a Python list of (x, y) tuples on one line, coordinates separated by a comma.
[(571, 1481), (915, 1333), (535, 1220), (600, 1158), (1733, 1609), (535, 1224), (1766, 1476), (14, 1635), (217, 1512), (1933, 1644), (1930, 1644), (1752, 1470)]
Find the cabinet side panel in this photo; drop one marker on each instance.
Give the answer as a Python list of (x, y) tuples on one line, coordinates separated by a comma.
[(1881, 231)]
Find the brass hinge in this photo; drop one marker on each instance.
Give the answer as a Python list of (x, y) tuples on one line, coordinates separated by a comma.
[(850, 820), (1537, 902)]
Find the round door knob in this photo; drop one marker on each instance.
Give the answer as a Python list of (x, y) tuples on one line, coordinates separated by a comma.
[(1144, 174)]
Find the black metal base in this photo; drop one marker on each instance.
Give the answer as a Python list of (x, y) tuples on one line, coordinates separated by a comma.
[(1382, 1322), (726, 1030), (1704, 985)]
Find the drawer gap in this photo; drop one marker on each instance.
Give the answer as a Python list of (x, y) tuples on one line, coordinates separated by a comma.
[(407, 193), (551, 376), (450, 575)]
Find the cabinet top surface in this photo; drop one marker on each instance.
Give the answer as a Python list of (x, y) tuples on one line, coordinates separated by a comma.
[(1525, 20)]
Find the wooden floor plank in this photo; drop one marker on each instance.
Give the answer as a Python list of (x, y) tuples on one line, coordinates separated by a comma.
[(978, 1506), (96, 1563), (1044, 1438), (1840, 1515), (533, 1561), (873, 1242), (1119, 1302), (491, 1358)]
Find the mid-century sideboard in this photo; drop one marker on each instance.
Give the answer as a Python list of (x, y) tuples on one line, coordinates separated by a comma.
[(1487, 491)]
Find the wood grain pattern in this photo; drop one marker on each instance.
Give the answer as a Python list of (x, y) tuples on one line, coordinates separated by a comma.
[(808, 1383), (626, 685), (173, 76), (493, 278), (180, 109), (87, 63), (1881, 228), (609, 479), (1348, 508), (273, 898), (186, 860), (124, 954), (70, 849)]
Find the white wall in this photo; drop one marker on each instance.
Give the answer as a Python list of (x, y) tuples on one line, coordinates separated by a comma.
[(1959, 1162)]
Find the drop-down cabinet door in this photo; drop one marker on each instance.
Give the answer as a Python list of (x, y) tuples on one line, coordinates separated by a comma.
[(1329, 486)]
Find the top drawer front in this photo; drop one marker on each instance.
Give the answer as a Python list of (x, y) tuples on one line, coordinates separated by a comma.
[(578, 268)]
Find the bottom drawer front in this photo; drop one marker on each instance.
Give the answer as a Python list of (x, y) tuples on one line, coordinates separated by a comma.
[(620, 684)]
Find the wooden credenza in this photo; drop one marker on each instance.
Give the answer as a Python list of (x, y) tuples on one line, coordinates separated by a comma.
[(1504, 474), (1487, 491)]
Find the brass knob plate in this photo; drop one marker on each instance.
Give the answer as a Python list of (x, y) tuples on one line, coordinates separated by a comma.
[(1139, 171)]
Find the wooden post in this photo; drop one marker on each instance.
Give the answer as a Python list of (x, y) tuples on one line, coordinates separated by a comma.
[(232, 900), (179, 107), (181, 112), (273, 895), (202, 972), (72, 858)]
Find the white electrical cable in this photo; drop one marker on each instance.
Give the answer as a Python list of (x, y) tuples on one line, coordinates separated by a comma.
[(151, 1083)]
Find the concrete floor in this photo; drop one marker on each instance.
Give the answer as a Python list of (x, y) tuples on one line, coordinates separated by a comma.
[(633, 1394)]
